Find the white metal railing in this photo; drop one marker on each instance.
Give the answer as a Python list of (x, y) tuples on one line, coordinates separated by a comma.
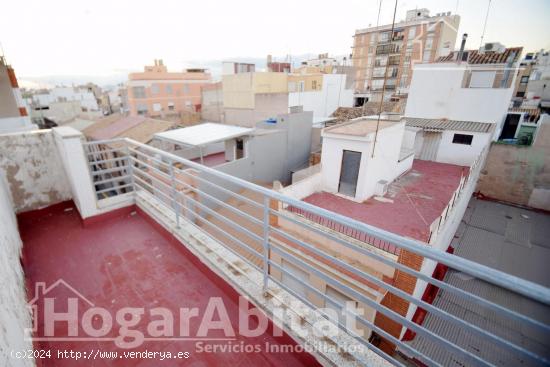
[(214, 201)]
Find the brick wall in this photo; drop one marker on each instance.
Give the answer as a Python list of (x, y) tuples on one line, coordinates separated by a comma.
[(405, 282)]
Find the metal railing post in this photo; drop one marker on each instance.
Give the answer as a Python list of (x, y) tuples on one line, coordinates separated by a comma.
[(266, 243), (174, 192), (130, 167)]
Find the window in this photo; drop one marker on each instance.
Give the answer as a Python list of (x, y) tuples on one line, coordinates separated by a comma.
[(138, 92), (141, 109), (482, 79), (525, 79), (155, 89), (463, 139), (156, 107), (170, 106), (314, 84), (186, 88), (169, 89)]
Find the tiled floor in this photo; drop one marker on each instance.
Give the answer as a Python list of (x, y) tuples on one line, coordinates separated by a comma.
[(125, 261)]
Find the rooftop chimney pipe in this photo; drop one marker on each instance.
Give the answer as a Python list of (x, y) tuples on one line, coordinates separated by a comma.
[(462, 45)]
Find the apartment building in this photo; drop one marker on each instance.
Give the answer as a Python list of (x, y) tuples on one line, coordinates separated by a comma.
[(252, 97), (419, 38), (157, 92), (13, 109), (232, 67), (457, 98)]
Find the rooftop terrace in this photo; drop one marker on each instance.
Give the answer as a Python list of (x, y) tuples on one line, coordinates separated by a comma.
[(127, 260), (413, 202), (143, 243)]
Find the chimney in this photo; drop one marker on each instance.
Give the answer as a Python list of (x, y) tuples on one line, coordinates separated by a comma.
[(462, 45)]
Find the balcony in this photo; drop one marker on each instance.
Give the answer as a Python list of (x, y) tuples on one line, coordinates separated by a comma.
[(129, 225)]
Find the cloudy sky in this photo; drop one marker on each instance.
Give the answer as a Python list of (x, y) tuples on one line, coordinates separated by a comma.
[(103, 40)]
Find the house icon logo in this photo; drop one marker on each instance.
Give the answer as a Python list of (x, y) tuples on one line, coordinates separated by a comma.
[(41, 292)]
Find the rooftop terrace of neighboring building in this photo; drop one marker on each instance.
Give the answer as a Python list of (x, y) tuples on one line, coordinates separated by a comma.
[(411, 204), (360, 127)]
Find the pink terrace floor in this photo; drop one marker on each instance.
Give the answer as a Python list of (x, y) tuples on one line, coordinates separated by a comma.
[(127, 260), (416, 200)]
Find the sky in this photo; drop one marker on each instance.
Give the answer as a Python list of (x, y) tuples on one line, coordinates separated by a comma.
[(64, 41)]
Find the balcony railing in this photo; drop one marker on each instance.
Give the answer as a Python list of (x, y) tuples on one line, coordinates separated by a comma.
[(215, 201)]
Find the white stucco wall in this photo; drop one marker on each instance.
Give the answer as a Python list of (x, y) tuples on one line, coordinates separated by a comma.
[(383, 166), (325, 101), (461, 154), (14, 314), (436, 92)]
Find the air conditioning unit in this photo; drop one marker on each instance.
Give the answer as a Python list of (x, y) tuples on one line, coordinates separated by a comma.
[(492, 47)]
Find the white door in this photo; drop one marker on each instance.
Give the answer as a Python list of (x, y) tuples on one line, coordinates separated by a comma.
[(430, 146)]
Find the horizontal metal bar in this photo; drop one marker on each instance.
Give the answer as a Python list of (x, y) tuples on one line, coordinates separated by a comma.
[(114, 188), (367, 323), (137, 152), (108, 160), (218, 187), (414, 300), (104, 141), (163, 174), (109, 170), (222, 203), (504, 280), (204, 220), (117, 178), (104, 151), (382, 309), (448, 287)]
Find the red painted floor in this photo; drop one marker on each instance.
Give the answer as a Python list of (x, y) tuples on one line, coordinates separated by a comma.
[(212, 160), (127, 261), (418, 198)]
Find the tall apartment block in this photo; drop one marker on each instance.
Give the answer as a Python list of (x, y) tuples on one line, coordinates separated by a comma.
[(156, 92), (419, 38)]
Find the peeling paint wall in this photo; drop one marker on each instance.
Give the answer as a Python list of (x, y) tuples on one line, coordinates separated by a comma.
[(519, 174), (14, 314), (33, 169)]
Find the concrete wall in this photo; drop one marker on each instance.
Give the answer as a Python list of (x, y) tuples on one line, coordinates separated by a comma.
[(436, 92), (14, 314), (297, 127), (461, 154), (33, 168), (519, 174), (325, 101), (266, 105)]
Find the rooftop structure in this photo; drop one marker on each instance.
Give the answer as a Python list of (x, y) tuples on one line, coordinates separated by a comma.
[(475, 87), (142, 244), (384, 61)]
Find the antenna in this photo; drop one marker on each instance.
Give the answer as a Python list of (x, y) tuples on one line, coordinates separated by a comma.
[(485, 24), (384, 83)]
